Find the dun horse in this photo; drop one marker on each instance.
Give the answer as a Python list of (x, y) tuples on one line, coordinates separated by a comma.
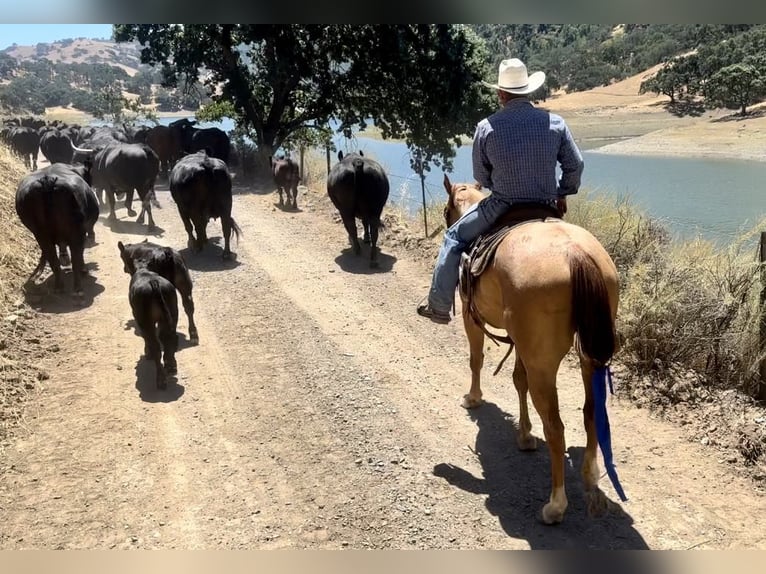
[(548, 281)]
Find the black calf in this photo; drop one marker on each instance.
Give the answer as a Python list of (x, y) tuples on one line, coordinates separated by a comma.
[(155, 309)]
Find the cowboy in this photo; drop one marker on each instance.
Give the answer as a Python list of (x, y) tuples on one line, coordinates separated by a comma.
[(515, 152)]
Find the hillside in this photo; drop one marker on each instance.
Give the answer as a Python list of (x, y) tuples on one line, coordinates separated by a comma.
[(81, 50)]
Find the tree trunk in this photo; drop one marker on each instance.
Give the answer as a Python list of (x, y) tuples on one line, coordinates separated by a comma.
[(263, 162)]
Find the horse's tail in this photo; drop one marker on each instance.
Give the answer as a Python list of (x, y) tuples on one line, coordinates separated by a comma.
[(591, 312)]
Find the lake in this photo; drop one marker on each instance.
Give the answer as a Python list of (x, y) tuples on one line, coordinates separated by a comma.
[(713, 198)]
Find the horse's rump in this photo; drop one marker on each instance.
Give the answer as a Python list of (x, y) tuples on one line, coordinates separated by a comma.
[(539, 259)]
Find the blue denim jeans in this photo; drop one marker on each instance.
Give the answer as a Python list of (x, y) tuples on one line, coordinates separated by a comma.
[(478, 219)]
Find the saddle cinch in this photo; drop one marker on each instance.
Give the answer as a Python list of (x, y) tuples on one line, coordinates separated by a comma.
[(481, 252)]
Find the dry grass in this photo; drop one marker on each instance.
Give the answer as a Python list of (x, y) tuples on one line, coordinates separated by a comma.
[(18, 256), (685, 306)]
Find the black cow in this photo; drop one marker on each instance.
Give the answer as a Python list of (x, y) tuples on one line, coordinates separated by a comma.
[(286, 176), (166, 143), (57, 205), (201, 187), (358, 187), (122, 168), (195, 139), (56, 146), (155, 310), (168, 263), (25, 141)]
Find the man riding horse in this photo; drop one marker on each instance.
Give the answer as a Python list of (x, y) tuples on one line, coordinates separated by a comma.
[(515, 152), (547, 283)]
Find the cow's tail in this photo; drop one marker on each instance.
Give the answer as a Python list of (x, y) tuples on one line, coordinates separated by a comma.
[(155, 285), (358, 173), (235, 227)]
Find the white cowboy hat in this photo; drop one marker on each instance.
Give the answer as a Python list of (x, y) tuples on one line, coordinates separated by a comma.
[(512, 78)]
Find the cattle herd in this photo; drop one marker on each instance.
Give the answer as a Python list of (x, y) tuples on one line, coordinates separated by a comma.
[(60, 204)]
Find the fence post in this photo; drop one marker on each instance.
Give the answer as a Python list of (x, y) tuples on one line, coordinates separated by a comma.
[(327, 152), (422, 190), (762, 370), (303, 149)]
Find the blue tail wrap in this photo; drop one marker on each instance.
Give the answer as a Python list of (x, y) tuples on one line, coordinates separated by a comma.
[(601, 376)]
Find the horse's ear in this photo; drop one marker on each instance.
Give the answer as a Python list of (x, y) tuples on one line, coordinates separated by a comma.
[(340, 155), (361, 153), (447, 184), (121, 246), (477, 185)]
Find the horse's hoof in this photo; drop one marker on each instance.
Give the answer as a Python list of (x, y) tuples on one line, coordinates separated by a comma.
[(374, 265), (471, 403), (551, 515), (131, 212), (527, 443), (227, 256), (151, 227), (112, 217)]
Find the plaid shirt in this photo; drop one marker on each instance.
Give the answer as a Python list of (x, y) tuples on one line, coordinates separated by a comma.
[(515, 151)]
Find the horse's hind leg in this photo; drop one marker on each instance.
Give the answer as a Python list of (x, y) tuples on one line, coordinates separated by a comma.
[(542, 388), (596, 500), (524, 439), (476, 343)]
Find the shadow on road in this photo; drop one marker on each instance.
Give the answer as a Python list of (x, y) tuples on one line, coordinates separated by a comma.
[(360, 264), (41, 298), (211, 256), (517, 485), (146, 383)]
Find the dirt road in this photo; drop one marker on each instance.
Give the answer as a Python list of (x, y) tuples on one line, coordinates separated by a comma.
[(319, 411)]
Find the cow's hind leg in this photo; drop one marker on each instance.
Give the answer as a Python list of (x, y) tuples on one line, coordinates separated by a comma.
[(78, 264), (476, 344), (191, 242), (64, 258), (152, 350), (111, 200), (200, 226), (349, 222), (226, 227), (129, 203), (184, 285), (146, 208), (49, 253), (169, 339), (372, 227)]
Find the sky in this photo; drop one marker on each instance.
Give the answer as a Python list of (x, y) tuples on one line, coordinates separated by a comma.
[(31, 34)]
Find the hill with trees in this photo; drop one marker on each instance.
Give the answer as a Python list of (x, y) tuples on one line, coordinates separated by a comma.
[(98, 77)]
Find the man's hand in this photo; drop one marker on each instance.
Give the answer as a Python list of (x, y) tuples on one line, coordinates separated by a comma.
[(561, 204)]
